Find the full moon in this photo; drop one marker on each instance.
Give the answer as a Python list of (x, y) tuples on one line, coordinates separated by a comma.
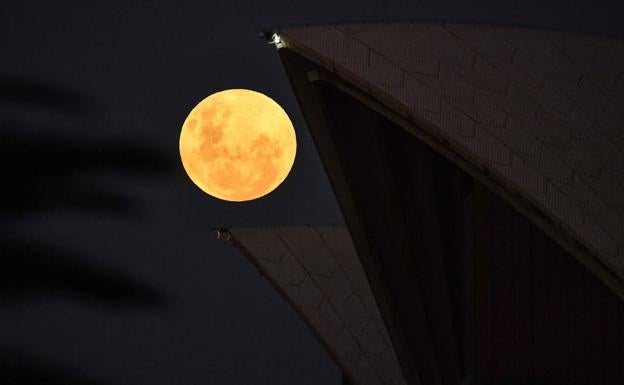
[(237, 145)]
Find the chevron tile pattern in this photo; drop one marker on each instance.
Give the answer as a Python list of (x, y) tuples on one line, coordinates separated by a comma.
[(318, 270), (541, 111)]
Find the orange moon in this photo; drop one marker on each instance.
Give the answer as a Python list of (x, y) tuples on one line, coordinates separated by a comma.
[(237, 145)]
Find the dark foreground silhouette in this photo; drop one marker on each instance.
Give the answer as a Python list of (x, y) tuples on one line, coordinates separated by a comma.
[(50, 171)]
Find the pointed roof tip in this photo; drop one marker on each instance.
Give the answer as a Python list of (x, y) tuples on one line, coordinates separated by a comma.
[(222, 233)]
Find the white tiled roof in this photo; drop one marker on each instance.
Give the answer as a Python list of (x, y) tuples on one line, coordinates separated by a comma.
[(318, 270), (542, 111)]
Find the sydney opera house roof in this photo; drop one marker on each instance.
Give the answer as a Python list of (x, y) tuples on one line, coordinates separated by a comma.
[(539, 112), (480, 170), (317, 269)]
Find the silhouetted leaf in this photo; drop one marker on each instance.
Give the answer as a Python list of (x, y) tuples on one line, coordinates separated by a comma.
[(16, 369), (23, 92), (40, 171), (29, 269)]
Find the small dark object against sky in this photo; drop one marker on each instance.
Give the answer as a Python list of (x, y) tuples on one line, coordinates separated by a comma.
[(109, 270)]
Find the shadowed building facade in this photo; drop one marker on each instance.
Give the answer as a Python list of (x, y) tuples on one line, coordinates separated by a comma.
[(480, 171)]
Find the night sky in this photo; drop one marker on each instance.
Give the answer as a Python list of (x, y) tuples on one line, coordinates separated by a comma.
[(109, 272)]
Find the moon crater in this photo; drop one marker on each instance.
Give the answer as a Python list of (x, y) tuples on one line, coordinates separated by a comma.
[(237, 145)]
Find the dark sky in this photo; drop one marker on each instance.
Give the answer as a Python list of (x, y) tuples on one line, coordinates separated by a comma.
[(109, 271)]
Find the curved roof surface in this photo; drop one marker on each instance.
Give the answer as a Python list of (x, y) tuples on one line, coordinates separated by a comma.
[(539, 112), (318, 270)]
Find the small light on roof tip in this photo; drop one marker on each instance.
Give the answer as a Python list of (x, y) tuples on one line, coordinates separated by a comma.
[(273, 38), (276, 40)]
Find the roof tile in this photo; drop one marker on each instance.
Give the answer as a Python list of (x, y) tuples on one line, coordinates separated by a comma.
[(549, 165), (587, 55), (610, 187), (550, 97), (521, 70), (515, 101), (337, 287), (370, 340), (587, 93), (560, 205), (331, 43), (447, 83), (378, 70), (305, 295), (521, 174), (486, 146), (326, 320), (354, 313), (309, 249), (596, 237), (264, 242), (483, 110), (487, 44), (365, 374), (288, 271), (387, 368), (484, 76), (347, 348), (455, 122), (339, 242), (358, 279), (515, 135), (414, 94)]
